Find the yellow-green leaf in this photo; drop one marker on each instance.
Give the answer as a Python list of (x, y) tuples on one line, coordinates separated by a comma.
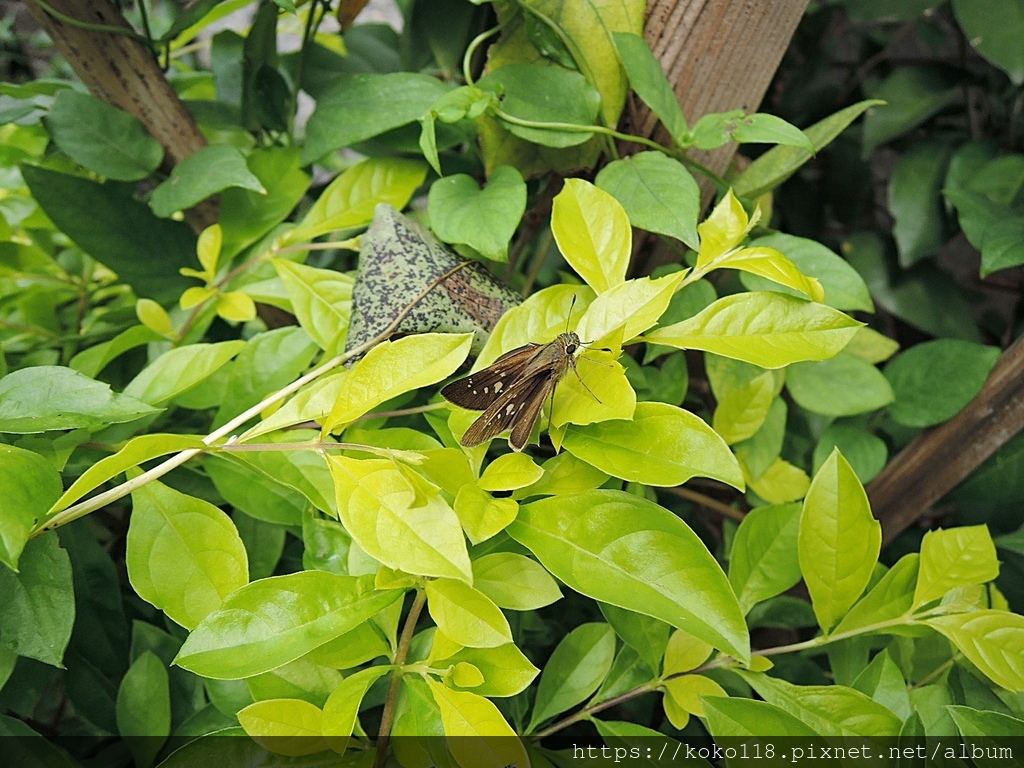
[(153, 316), (839, 540), (685, 692), (399, 518), (769, 263), (684, 652), (992, 640), (663, 445), (607, 381), (593, 233), (482, 516), (236, 306), (208, 249), (466, 615), (957, 557), (290, 727), (782, 482), (764, 328), (509, 472), (723, 230), (321, 300), (494, 743), (341, 710), (743, 410), (394, 367), (628, 309), (349, 200)]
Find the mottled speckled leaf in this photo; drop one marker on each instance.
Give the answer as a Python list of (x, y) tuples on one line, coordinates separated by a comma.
[(398, 261)]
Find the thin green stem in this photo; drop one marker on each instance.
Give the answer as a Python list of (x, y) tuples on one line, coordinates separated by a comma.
[(72, 22), (96, 502), (387, 718), (587, 712), (476, 42)]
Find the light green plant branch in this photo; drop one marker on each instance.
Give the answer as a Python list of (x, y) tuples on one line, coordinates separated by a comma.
[(96, 502), (476, 42)]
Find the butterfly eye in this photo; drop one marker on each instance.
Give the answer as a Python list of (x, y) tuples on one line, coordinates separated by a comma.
[(571, 348)]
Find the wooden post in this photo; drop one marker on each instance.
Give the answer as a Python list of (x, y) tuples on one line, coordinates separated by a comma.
[(121, 71), (719, 55)]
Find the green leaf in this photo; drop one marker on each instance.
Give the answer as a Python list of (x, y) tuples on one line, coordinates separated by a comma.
[(206, 172), (271, 622), (758, 454), (731, 717), (830, 710), (781, 483), (971, 722), (865, 451), (593, 233), (913, 94), (358, 107), (764, 328), (505, 669), (626, 551), (957, 557), (1002, 245), (514, 582), (651, 85), (842, 386), (525, 92), (301, 470), (761, 128), (102, 138), (991, 640), (184, 555), (270, 361), (890, 598), (844, 288), (915, 201), (779, 163), (658, 194), (481, 515), (575, 670), (246, 216), (742, 412), (38, 609), (178, 370), (839, 540), (763, 560), (311, 403), (399, 518), (108, 223), (91, 361), (135, 452), (996, 37), (628, 309), (466, 615), (644, 634), (349, 201), (883, 681), (31, 485), (922, 378), (321, 300), (484, 219), (290, 727), (144, 707), (49, 397), (394, 367), (341, 710), (663, 445)]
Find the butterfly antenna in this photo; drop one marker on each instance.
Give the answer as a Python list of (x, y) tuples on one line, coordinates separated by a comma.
[(569, 316), (598, 399)]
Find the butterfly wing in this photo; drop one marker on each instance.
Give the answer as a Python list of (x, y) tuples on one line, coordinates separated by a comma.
[(517, 408), (480, 390)]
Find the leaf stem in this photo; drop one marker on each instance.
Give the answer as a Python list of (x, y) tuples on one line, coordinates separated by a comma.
[(114, 30), (707, 502), (90, 505), (387, 719), (587, 712)]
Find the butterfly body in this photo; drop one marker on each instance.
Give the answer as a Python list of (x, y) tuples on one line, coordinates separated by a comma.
[(511, 391)]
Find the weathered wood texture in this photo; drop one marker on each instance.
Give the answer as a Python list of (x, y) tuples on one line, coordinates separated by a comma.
[(719, 55), (939, 460), (122, 72)]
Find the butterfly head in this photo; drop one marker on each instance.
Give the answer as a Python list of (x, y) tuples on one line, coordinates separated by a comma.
[(571, 342)]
